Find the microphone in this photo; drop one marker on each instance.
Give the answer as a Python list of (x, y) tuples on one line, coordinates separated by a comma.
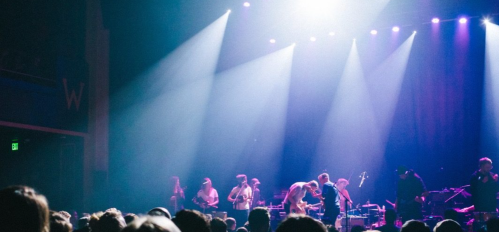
[(206, 182), (363, 177)]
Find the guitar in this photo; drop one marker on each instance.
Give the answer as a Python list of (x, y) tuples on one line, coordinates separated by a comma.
[(406, 206), (304, 206), (202, 203)]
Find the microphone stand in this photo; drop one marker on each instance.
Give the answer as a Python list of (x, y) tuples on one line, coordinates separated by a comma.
[(347, 200), (252, 196), (461, 189)]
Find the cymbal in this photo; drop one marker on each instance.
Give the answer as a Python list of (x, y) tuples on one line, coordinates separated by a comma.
[(369, 205), (380, 210)]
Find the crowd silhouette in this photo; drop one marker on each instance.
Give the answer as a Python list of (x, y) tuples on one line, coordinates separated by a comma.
[(22, 209)]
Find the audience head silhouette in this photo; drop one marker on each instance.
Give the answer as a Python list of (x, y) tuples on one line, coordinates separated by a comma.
[(22, 209), (191, 221), (299, 223), (151, 224)]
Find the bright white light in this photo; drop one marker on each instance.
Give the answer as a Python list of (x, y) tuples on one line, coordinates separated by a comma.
[(486, 21), (414, 32), (331, 33), (395, 29), (294, 44), (272, 41), (374, 32), (490, 115), (313, 39), (228, 11), (463, 20), (246, 4), (435, 20), (316, 9)]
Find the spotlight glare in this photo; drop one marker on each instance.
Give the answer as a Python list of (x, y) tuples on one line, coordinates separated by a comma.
[(331, 33), (374, 32), (294, 44), (272, 41), (463, 20), (435, 20), (313, 39), (228, 11), (486, 21), (246, 4), (395, 29), (414, 32)]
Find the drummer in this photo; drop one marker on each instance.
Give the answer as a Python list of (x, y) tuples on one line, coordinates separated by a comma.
[(341, 184)]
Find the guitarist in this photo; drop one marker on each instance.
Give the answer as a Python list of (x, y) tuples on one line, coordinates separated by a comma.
[(411, 193), (207, 196), (241, 196), (293, 202), (331, 199)]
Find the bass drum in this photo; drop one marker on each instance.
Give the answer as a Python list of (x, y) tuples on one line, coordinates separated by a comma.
[(353, 221)]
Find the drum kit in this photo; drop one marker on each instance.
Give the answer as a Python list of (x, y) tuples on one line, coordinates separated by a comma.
[(372, 215), (368, 214), (437, 202)]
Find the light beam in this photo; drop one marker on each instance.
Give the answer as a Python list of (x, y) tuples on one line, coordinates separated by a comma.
[(490, 115)]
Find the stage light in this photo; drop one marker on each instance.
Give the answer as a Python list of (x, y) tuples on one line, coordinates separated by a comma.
[(435, 20), (313, 39), (395, 29), (486, 21), (228, 11), (463, 20), (294, 44), (414, 32), (374, 32), (331, 33), (246, 4), (272, 41)]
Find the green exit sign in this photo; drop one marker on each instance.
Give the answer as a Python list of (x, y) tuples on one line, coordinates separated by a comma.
[(15, 146)]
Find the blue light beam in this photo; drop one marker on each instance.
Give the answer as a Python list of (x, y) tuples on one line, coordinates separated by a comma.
[(490, 115)]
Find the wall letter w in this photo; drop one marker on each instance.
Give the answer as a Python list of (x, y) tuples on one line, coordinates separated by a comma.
[(72, 97)]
